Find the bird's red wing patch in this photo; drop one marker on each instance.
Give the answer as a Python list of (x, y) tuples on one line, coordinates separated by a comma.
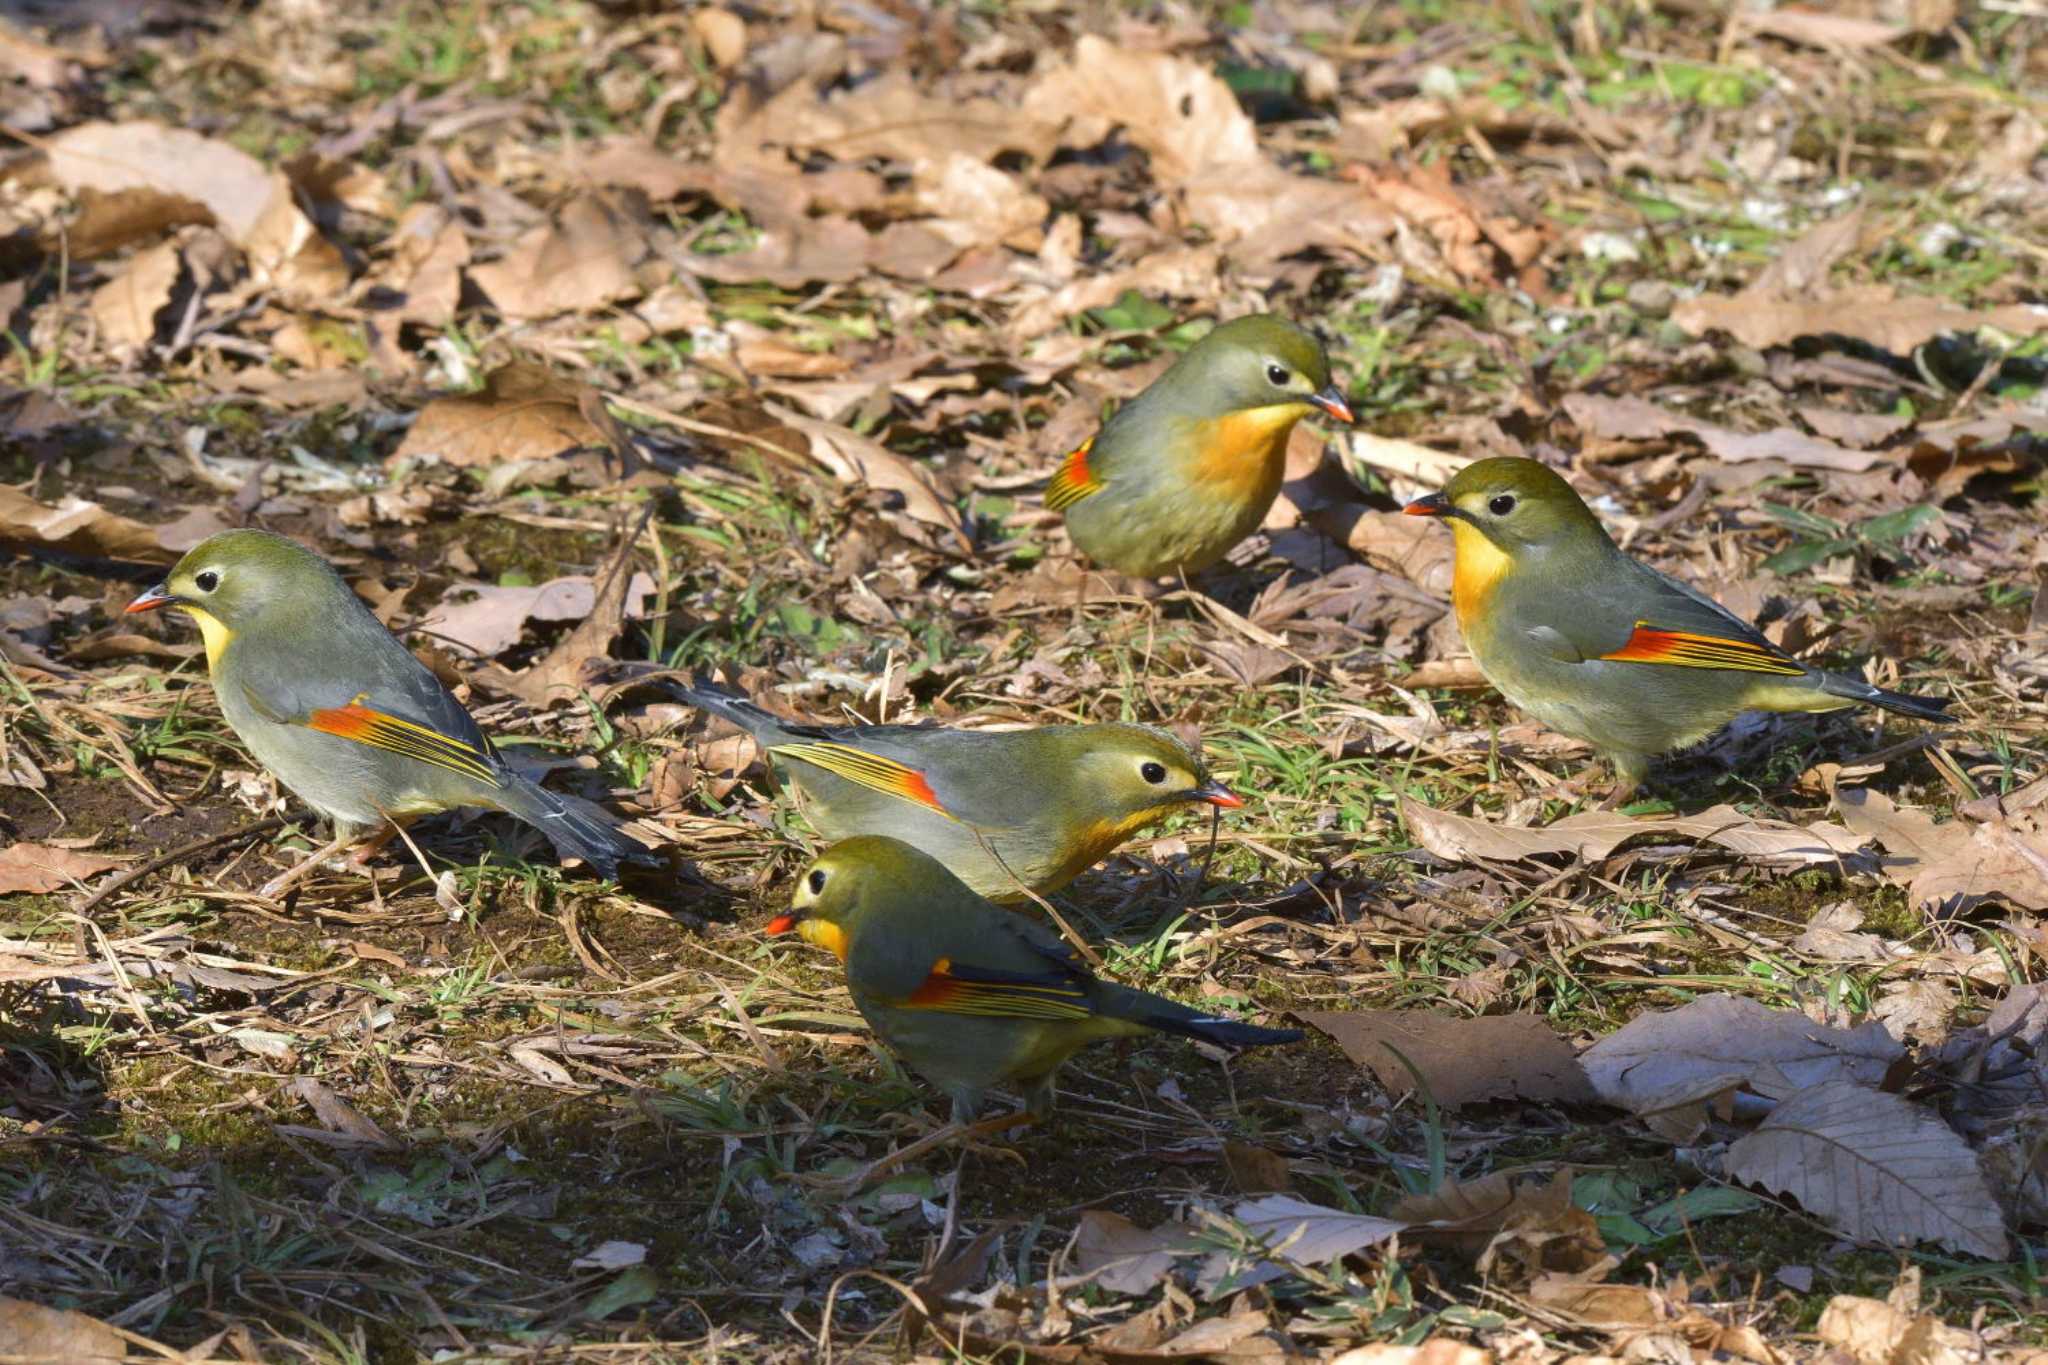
[(870, 770), (1684, 649), (1073, 480), (960, 991), (381, 730)]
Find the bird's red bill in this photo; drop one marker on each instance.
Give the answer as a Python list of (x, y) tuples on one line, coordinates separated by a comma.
[(780, 925), (381, 730), (1683, 649), (1073, 480), (870, 770), (156, 597)]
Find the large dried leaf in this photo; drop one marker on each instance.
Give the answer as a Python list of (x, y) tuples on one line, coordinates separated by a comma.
[(37, 869), (1311, 1234), (1464, 1060), (1664, 1062), (79, 527), (1179, 112), (253, 205), (524, 412), (1121, 1256), (29, 1331), (581, 262), (1637, 419), (1791, 298), (1956, 863), (1595, 834), (125, 308), (856, 459), (1877, 1167)]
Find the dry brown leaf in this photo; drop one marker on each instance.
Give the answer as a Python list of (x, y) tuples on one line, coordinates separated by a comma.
[(1637, 419), (1542, 1230), (524, 412), (1874, 1332), (1816, 28), (1468, 1214), (724, 35), (1435, 1351), (1178, 112), (1877, 1167), (1478, 246), (582, 261), (1463, 1060), (125, 308), (491, 619), (1254, 1169), (109, 222), (1121, 1256), (32, 1332), (79, 527), (1790, 299), (1956, 863), (1311, 1234), (856, 459), (337, 1115), (37, 869), (1593, 835), (564, 671), (1662, 1063), (429, 250), (252, 205), (1609, 1307)]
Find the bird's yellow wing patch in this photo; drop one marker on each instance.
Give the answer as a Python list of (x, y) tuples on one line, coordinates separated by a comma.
[(964, 990), (1684, 649), (381, 730), (1073, 480), (870, 770)]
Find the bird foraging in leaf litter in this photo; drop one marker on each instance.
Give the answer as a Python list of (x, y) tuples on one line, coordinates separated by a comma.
[(1191, 466), (331, 703), (1601, 647), (1006, 810), (970, 995)]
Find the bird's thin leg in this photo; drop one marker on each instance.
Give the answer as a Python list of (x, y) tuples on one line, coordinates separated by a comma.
[(305, 867), (372, 846), (910, 1151)]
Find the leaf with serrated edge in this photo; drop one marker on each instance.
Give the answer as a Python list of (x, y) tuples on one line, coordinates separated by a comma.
[(1878, 1168)]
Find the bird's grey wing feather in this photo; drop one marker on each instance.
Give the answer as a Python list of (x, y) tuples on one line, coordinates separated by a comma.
[(356, 663)]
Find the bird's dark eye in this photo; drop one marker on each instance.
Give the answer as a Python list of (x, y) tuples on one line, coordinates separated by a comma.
[(206, 580), (1502, 505), (1278, 375), (1155, 773), (816, 881)]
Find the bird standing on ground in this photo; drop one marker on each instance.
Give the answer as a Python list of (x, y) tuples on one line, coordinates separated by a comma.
[(1601, 647), (1191, 466), (331, 703), (999, 807), (969, 995)]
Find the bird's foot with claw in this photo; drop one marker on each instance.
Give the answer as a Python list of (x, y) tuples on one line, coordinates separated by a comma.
[(284, 881)]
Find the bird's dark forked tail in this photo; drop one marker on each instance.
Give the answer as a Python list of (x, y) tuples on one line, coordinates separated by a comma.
[(1169, 1017), (1904, 703), (581, 829)]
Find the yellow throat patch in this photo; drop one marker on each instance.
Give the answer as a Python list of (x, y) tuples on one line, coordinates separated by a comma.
[(1244, 452), (215, 636), (1479, 569), (824, 934)]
